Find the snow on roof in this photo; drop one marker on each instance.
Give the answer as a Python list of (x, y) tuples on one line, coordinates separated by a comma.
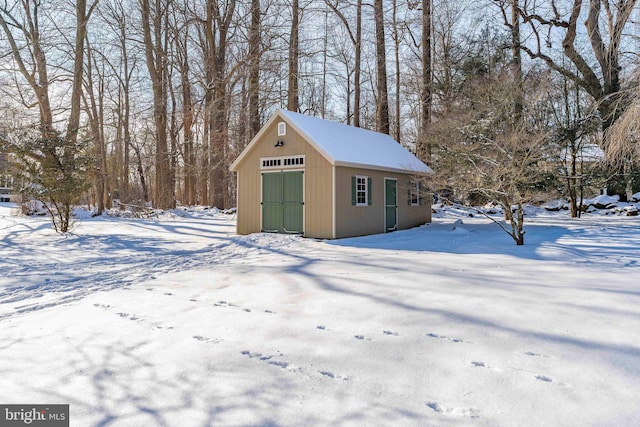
[(345, 145)]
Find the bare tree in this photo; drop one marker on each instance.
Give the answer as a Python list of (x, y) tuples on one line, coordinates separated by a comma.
[(154, 25), (93, 100), (82, 19), (180, 39), (54, 165), (489, 156), (382, 97), (423, 149), (396, 26), (516, 60), (255, 40), (622, 140), (217, 25), (31, 62), (294, 53), (356, 40), (601, 81), (122, 62), (574, 128)]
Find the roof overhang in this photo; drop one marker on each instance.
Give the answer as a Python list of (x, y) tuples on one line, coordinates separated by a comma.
[(406, 171), (279, 115)]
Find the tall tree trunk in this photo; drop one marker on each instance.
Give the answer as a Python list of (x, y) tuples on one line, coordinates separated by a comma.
[(187, 128), (292, 92), (516, 61), (357, 66), (141, 175), (323, 99), (82, 18), (119, 17), (396, 51), (424, 145), (254, 69), (93, 106), (382, 104), (220, 20), (155, 52), (78, 68), (38, 76), (357, 43)]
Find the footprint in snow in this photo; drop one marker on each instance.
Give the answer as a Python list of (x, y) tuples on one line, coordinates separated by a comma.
[(333, 376), (548, 379), (395, 334), (105, 306), (206, 339), (129, 316), (444, 337), (168, 293), (321, 327), (267, 359), (534, 354), (455, 412), (362, 338), (480, 364)]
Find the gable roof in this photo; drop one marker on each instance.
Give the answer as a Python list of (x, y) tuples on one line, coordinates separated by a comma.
[(344, 145)]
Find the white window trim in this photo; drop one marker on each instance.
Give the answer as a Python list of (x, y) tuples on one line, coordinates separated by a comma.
[(416, 185), (366, 190), (282, 129)]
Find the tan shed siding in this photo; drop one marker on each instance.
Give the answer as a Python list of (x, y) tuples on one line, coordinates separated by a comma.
[(317, 181), (358, 220), (318, 199), (248, 218), (412, 216), (361, 220)]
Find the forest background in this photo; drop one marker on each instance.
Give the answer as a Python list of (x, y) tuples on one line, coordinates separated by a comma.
[(147, 102)]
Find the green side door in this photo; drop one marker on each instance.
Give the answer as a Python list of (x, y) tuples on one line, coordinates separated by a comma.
[(390, 204), (282, 202)]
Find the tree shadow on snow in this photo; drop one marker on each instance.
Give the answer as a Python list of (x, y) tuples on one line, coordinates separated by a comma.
[(582, 242)]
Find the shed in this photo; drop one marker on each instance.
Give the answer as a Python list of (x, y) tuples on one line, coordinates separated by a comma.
[(323, 179)]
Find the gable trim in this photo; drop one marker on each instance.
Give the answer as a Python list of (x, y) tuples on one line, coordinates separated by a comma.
[(278, 116)]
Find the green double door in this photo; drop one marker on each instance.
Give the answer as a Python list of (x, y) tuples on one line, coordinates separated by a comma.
[(282, 202)]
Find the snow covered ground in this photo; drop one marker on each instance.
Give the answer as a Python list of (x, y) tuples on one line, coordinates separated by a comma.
[(177, 321)]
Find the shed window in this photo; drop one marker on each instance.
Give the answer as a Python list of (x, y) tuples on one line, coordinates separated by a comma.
[(282, 129), (6, 181), (360, 190), (414, 193)]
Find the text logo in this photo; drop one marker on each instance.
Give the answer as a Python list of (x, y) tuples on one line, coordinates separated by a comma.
[(34, 415)]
